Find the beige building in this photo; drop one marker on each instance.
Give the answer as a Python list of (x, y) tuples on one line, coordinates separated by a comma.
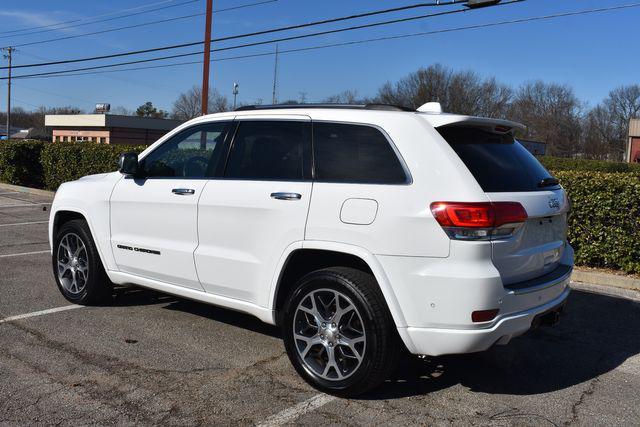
[(107, 128)]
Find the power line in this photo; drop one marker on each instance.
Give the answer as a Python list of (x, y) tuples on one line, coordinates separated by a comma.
[(395, 21), (47, 28), (371, 40), (269, 31), (142, 24)]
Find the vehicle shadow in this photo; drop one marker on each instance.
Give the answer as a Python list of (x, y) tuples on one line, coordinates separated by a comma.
[(596, 335), (127, 296)]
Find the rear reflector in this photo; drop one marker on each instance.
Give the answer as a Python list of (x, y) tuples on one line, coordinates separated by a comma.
[(484, 315)]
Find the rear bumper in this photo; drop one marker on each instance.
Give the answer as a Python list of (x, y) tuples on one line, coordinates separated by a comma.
[(438, 296), (437, 341)]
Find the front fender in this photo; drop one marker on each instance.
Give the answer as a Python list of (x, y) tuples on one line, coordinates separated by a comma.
[(89, 198)]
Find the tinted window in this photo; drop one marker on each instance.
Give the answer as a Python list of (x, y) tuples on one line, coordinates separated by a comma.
[(193, 153), (268, 150), (497, 161), (354, 153)]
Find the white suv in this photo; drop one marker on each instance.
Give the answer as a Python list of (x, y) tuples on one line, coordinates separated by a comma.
[(361, 230)]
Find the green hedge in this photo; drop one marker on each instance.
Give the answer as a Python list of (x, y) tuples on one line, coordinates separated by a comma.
[(20, 163), (564, 164), (67, 161), (604, 225)]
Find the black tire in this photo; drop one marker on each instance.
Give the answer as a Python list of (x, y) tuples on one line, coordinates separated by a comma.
[(97, 289), (382, 343)]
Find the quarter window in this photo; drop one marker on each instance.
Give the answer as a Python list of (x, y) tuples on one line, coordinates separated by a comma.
[(354, 154), (193, 153), (266, 150)]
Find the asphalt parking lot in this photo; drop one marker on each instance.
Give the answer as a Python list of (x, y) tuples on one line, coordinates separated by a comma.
[(150, 358)]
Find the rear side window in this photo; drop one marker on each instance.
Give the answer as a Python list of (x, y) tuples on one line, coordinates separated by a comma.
[(354, 154), (266, 150), (497, 161)]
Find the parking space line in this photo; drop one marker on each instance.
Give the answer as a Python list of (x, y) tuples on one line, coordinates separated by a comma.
[(290, 414), (40, 313), (25, 253), (23, 205), (23, 223)]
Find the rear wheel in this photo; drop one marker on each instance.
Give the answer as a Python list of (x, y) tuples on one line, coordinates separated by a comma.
[(338, 332), (77, 268)]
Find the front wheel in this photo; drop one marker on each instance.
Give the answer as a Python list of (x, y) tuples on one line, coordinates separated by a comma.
[(77, 267), (338, 332)]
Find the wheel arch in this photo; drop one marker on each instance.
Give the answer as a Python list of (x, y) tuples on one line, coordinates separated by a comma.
[(320, 254), (63, 215)]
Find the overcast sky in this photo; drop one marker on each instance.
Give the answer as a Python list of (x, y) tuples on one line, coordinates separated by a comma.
[(593, 53)]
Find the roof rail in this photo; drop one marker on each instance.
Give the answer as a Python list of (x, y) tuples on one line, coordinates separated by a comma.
[(382, 107)]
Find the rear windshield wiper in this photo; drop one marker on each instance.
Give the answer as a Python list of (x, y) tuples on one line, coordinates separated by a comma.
[(548, 182)]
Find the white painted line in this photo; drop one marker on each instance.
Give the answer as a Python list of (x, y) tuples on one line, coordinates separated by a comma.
[(291, 414), (23, 223), (23, 204), (25, 253), (10, 192), (40, 313)]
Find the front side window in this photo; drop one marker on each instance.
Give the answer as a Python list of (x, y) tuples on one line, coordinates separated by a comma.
[(193, 153), (354, 154), (268, 150)]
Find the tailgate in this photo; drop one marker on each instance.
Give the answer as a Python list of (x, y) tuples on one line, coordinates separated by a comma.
[(537, 248)]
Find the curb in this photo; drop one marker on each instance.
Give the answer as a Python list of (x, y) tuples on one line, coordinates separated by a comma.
[(605, 279), (27, 190)]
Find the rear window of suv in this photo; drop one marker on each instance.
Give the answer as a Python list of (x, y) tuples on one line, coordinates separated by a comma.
[(497, 161), (351, 153)]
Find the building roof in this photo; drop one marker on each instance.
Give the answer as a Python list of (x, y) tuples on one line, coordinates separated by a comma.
[(108, 121)]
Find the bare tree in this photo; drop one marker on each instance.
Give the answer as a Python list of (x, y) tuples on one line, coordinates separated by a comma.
[(623, 104), (553, 115), (600, 134), (189, 104), (349, 96), (121, 110), (462, 92)]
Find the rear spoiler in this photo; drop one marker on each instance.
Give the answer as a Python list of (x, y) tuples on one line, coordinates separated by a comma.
[(492, 125)]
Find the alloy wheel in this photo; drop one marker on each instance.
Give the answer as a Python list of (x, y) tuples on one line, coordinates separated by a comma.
[(329, 334), (73, 264)]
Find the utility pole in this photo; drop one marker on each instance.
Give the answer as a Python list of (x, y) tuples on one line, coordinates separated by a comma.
[(274, 99), (235, 94), (207, 58), (9, 51)]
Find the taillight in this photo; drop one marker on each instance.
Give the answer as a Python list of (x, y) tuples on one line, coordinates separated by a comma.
[(479, 221)]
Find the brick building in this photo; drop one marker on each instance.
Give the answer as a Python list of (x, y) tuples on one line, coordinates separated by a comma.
[(633, 146), (107, 128)]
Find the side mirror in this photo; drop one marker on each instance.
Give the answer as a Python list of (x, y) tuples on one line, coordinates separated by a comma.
[(128, 164)]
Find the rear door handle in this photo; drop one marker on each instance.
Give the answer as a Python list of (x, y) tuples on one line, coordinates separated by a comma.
[(286, 196), (183, 191)]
